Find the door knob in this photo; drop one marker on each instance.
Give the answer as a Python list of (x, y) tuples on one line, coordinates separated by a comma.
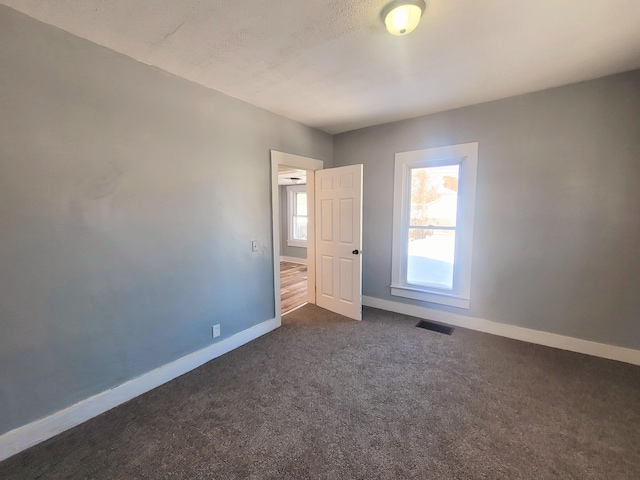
[(356, 252)]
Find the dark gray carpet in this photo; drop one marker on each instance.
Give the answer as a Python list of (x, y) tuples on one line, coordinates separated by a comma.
[(325, 397)]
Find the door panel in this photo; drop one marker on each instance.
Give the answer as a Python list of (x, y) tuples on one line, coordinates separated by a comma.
[(326, 274), (326, 220), (346, 280), (339, 234), (346, 221)]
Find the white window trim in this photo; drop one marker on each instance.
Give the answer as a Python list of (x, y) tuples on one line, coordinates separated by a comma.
[(466, 155), (291, 191)]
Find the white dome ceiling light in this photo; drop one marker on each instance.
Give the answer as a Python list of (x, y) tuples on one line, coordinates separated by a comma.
[(402, 16)]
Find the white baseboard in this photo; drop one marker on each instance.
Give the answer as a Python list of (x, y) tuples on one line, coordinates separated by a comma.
[(301, 261), (33, 433), (603, 350)]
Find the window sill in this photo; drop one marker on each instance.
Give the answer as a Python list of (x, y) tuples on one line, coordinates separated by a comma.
[(297, 243), (430, 296)]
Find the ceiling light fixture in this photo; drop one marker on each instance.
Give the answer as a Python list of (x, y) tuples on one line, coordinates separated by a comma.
[(295, 180), (402, 16)]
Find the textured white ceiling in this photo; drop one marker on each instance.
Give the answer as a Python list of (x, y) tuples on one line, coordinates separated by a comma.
[(330, 63)]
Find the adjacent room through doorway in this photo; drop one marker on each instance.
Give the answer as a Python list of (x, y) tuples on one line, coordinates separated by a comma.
[(292, 186)]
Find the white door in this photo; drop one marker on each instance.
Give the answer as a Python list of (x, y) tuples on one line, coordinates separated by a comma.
[(338, 208)]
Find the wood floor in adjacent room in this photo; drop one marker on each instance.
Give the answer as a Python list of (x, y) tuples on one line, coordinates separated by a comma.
[(293, 285)]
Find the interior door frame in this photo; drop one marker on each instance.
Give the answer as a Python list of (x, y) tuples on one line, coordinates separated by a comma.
[(310, 165)]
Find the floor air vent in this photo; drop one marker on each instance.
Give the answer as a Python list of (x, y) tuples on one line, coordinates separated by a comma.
[(435, 327)]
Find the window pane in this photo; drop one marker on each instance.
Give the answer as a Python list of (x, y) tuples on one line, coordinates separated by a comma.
[(300, 228), (301, 203), (434, 195), (430, 257)]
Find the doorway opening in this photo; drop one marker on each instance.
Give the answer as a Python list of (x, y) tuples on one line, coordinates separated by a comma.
[(292, 192), (334, 262), (308, 166)]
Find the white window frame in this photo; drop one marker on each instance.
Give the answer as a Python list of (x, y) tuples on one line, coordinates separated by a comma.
[(465, 155), (292, 212)]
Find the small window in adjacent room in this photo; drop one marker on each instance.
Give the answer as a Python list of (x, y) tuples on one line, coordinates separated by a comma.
[(297, 215), (434, 192)]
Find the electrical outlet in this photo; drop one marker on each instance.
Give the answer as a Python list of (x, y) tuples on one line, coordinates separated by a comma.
[(254, 246), (215, 331)]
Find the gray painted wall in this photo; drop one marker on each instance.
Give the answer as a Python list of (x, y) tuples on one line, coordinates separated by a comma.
[(286, 250), (557, 221), (128, 202)]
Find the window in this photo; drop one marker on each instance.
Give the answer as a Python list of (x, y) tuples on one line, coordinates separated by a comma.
[(434, 192), (297, 215)]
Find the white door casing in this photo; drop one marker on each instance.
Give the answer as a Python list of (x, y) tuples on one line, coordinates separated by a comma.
[(338, 208), (308, 164)]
